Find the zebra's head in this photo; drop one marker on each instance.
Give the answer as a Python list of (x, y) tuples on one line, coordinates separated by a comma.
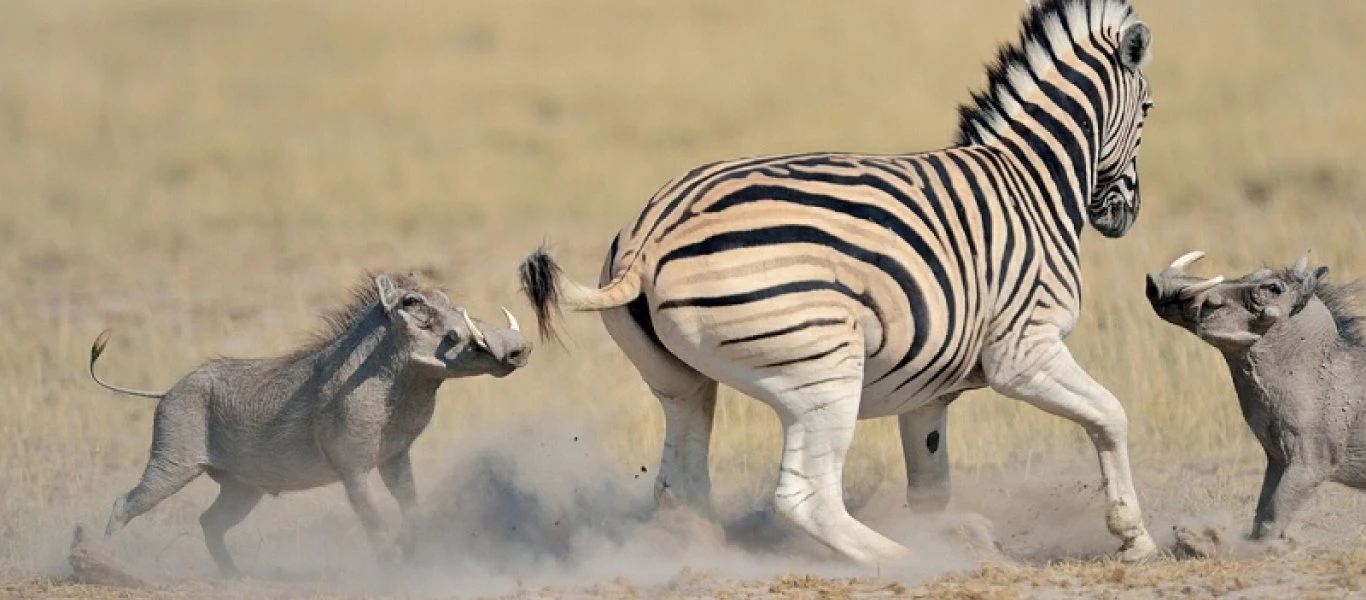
[(1114, 202)]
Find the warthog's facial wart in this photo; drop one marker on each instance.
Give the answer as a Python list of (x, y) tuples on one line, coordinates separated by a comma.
[(446, 339), (1231, 315)]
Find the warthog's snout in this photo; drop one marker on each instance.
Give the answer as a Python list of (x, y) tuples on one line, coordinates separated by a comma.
[(506, 345), (1172, 290), (510, 348)]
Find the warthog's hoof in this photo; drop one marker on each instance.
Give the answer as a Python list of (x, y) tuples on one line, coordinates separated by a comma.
[(1192, 542), (91, 562), (1138, 549)]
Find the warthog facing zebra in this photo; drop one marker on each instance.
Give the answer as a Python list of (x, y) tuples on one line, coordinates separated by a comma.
[(1296, 353), (352, 400), (840, 286)]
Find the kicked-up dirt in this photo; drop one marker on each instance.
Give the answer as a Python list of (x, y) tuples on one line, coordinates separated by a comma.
[(563, 522)]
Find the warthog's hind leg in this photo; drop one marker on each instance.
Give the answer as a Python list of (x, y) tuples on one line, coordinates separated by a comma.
[(159, 480), (233, 504)]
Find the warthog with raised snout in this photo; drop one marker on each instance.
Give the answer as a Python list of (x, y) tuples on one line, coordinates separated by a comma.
[(352, 400), (1298, 360)]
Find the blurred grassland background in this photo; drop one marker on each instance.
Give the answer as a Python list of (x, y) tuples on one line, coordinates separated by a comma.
[(207, 177)]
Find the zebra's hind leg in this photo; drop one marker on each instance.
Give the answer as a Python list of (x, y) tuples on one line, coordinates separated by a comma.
[(683, 472), (689, 402), (925, 445), (818, 426), (1055, 383), (683, 479)]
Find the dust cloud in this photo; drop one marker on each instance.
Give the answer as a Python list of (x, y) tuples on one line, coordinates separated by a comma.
[(529, 505)]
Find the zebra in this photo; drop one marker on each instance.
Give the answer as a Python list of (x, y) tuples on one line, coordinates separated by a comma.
[(841, 286)]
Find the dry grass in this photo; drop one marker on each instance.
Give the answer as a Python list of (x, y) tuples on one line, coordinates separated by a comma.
[(206, 177)]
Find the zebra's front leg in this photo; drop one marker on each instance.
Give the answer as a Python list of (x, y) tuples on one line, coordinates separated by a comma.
[(1048, 377), (925, 445), (818, 427), (684, 479)]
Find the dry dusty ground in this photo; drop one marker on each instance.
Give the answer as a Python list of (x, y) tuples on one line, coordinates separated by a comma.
[(520, 516), (207, 177)]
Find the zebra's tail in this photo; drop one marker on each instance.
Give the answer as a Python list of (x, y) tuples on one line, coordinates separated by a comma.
[(549, 290)]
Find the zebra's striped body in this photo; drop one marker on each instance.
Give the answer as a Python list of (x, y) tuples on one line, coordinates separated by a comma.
[(898, 249), (837, 286)]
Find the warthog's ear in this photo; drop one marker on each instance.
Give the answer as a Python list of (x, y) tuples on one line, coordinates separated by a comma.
[(388, 295), (1300, 267), (1308, 287), (1136, 46)]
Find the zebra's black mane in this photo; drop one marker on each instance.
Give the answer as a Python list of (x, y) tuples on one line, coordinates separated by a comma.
[(986, 107)]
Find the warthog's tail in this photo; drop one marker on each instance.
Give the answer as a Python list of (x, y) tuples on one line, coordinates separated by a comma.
[(549, 290), (96, 350)]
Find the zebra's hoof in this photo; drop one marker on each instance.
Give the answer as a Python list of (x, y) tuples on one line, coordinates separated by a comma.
[(1138, 549)]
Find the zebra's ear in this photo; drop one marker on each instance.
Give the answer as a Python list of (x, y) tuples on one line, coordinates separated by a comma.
[(1135, 46)]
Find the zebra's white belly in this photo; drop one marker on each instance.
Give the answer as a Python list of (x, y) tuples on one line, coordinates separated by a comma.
[(883, 399)]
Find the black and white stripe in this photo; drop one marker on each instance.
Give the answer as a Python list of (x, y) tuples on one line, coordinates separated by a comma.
[(838, 286)]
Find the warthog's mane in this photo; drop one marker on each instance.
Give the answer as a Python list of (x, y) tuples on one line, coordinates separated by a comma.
[(364, 294), (1344, 302)]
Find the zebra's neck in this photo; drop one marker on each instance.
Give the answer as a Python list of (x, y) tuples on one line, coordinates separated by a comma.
[(1047, 99), (1051, 175)]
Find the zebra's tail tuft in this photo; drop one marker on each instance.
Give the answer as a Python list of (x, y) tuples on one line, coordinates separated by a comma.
[(541, 284), (548, 290)]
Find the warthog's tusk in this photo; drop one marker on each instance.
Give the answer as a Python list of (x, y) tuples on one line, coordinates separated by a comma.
[(512, 321), (1193, 290), (1186, 260), (474, 331)]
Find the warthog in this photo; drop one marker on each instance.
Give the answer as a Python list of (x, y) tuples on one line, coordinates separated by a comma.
[(1298, 361), (352, 400)]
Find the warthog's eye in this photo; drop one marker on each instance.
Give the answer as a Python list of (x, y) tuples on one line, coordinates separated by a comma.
[(411, 300), (1274, 288)]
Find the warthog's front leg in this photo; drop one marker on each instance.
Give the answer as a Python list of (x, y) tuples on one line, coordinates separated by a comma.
[(1285, 487), (397, 474), (358, 493)]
